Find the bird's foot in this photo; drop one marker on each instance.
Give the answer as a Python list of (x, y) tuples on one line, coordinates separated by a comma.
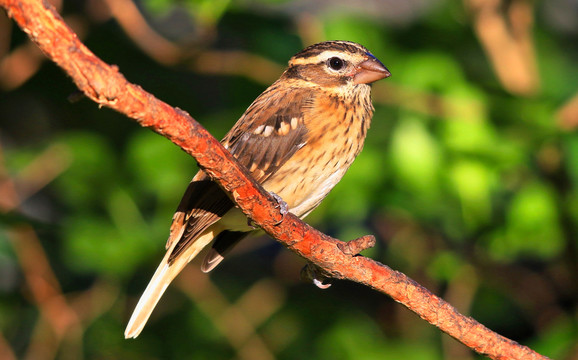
[(251, 224), (282, 205), (316, 275)]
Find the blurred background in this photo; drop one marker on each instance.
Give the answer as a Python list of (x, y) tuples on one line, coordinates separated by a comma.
[(469, 181)]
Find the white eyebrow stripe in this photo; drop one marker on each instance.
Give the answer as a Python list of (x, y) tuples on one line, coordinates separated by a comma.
[(327, 54)]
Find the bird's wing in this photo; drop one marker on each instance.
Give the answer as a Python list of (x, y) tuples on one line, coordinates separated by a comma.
[(265, 137), (271, 131), (201, 206)]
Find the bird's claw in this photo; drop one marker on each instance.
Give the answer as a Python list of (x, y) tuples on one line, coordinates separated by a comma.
[(320, 284), (251, 224), (282, 205), (316, 275)]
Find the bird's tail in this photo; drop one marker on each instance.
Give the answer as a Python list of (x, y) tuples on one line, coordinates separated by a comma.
[(161, 279)]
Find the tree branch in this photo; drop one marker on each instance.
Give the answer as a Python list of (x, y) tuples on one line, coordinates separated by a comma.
[(105, 85)]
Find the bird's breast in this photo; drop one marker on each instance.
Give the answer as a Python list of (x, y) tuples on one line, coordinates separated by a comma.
[(336, 134)]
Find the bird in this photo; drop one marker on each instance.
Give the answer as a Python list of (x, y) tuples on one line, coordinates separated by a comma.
[(297, 139)]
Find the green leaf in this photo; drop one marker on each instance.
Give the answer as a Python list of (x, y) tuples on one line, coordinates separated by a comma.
[(92, 171), (472, 182), (445, 266), (357, 337), (415, 156), (431, 71), (158, 166), (532, 229)]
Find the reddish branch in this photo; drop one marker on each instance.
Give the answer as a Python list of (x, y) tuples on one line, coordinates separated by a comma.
[(105, 85)]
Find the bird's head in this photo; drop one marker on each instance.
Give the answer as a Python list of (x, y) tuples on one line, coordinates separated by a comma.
[(335, 64)]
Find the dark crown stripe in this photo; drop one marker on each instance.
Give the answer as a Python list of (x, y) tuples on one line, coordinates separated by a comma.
[(317, 49)]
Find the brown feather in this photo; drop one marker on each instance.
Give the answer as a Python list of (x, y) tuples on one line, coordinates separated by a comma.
[(265, 151), (222, 244), (204, 202)]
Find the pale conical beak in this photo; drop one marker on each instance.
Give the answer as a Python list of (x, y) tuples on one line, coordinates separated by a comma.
[(369, 71)]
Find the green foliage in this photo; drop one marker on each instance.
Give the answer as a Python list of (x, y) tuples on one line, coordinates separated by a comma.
[(354, 337), (558, 340), (145, 152), (415, 157), (90, 174), (532, 226)]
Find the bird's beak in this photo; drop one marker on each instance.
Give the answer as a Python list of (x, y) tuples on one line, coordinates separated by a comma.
[(369, 71)]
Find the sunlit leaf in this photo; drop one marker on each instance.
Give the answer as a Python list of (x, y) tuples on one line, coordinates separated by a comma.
[(415, 156), (472, 182)]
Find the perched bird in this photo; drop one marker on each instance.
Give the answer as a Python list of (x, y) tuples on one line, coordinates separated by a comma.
[(297, 139)]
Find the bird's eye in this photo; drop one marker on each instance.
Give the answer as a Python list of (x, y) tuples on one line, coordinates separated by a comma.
[(336, 63)]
